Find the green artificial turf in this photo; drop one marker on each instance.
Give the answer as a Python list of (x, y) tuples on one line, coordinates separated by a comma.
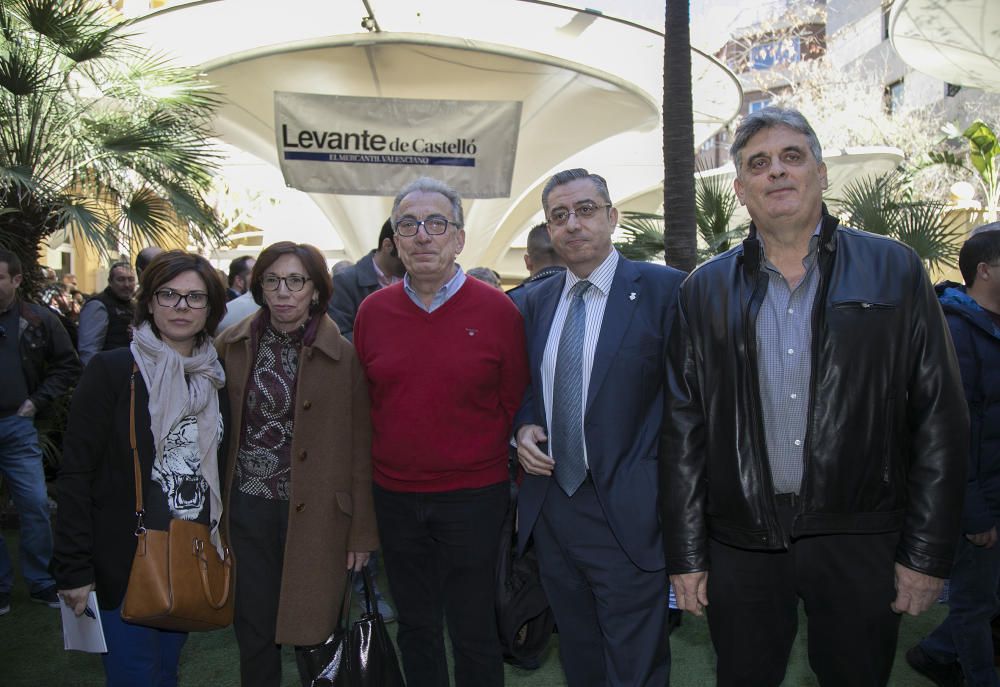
[(31, 653)]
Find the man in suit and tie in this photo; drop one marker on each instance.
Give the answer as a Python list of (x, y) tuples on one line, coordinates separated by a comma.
[(588, 434)]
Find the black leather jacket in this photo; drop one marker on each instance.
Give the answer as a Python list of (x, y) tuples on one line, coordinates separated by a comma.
[(48, 360), (887, 432)]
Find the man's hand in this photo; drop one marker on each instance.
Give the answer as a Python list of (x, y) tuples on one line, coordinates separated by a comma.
[(531, 458), (915, 592), (76, 599), (27, 409), (691, 591), (986, 539), (357, 559)]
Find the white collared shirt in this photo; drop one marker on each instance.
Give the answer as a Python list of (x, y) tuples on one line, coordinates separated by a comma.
[(594, 299)]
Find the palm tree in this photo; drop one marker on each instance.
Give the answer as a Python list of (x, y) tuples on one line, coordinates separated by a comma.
[(883, 205), (680, 240), (98, 136), (643, 240), (715, 205)]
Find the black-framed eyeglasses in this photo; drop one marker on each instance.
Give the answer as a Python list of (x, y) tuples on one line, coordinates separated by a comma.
[(293, 282), (434, 226), (560, 216), (168, 298)]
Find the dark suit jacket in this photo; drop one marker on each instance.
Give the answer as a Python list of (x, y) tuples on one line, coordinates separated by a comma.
[(624, 406), (519, 292), (350, 287)]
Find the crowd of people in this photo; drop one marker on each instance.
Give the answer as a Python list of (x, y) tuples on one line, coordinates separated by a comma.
[(803, 419)]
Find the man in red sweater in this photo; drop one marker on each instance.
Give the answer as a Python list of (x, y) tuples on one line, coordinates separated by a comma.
[(447, 366)]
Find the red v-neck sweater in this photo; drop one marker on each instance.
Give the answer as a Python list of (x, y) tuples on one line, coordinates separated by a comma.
[(444, 386)]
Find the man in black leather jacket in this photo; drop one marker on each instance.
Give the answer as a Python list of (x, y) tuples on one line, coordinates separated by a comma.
[(37, 366), (814, 433)]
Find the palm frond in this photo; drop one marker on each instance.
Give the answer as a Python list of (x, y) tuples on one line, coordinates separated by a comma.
[(925, 227), (88, 219), (97, 133), (870, 203), (883, 205), (18, 176), (643, 235), (715, 205)]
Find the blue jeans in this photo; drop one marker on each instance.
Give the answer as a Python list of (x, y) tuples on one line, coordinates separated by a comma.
[(965, 634), (21, 464), (139, 655)]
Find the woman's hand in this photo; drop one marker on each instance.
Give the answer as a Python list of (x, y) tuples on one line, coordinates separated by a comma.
[(357, 559), (76, 599)]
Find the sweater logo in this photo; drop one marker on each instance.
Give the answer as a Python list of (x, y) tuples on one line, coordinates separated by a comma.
[(472, 332)]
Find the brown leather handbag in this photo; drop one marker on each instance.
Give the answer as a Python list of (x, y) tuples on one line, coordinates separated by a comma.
[(178, 581)]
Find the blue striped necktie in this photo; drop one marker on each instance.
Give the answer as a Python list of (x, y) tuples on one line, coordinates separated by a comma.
[(567, 395)]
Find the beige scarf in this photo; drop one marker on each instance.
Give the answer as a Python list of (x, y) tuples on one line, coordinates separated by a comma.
[(178, 387)]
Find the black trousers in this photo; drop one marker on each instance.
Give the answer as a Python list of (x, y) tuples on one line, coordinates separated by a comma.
[(440, 552), (612, 616), (257, 528), (845, 581)]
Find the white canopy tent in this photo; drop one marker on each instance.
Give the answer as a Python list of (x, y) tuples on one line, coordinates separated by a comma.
[(591, 88), (957, 42)]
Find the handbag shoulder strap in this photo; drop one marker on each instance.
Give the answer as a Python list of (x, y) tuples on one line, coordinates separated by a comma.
[(344, 614), (139, 510)]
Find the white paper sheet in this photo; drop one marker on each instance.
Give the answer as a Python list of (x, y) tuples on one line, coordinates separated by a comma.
[(83, 632)]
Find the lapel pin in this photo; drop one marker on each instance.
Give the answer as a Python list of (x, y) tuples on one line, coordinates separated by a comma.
[(631, 296)]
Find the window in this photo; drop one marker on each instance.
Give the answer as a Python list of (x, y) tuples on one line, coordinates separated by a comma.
[(760, 104), (782, 51), (894, 97)]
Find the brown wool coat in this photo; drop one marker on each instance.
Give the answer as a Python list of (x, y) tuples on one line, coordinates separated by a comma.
[(330, 505)]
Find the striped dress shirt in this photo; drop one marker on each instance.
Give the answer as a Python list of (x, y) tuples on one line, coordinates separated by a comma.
[(595, 300)]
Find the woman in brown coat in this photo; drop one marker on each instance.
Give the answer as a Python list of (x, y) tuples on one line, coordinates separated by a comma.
[(298, 483)]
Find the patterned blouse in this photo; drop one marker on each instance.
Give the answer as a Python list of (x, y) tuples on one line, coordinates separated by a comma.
[(263, 463)]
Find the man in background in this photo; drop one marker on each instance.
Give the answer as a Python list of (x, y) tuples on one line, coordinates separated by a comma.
[(962, 643), (239, 276), (540, 259), (37, 365), (106, 319), (145, 257), (380, 268)]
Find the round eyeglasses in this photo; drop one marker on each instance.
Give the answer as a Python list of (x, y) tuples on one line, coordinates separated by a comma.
[(293, 282), (168, 298), (434, 226), (560, 216)]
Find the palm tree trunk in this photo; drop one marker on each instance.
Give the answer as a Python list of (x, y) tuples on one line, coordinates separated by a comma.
[(680, 230)]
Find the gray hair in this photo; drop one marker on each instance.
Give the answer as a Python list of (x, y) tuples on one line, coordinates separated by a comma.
[(568, 175), (485, 275), (429, 185), (768, 118)]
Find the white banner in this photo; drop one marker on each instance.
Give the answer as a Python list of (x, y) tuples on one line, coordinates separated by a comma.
[(375, 146)]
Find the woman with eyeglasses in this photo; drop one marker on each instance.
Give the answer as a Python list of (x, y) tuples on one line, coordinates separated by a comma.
[(298, 489), (172, 377)]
